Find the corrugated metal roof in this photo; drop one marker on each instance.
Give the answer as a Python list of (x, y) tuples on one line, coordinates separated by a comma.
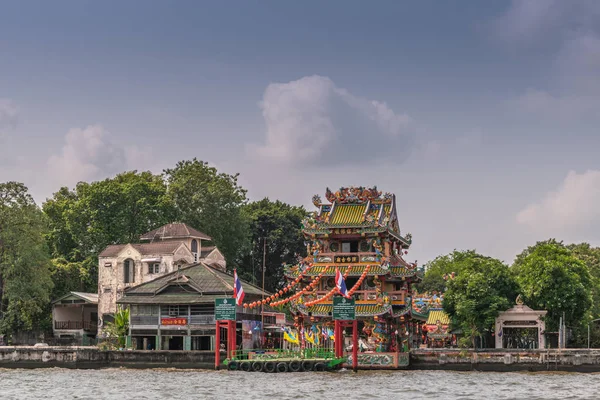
[(87, 297)]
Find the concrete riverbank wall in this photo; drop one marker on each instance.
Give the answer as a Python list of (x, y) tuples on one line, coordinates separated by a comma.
[(91, 357), (575, 360), (426, 359)]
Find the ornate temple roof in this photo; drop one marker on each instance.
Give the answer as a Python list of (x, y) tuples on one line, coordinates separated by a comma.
[(363, 210), (355, 270), (438, 315), (362, 309)]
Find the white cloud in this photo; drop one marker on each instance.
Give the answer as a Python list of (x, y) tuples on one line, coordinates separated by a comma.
[(567, 107), (313, 120), (87, 154), (527, 23), (9, 114), (573, 207), (571, 30)]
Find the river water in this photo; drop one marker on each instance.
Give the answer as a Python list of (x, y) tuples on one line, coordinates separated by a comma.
[(59, 384)]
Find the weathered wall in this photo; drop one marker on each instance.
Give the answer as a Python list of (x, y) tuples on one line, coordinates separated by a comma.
[(91, 357), (438, 359), (575, 360)]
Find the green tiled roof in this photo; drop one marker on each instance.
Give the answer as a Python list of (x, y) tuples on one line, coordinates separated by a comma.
[(347, 214), (362, 310)]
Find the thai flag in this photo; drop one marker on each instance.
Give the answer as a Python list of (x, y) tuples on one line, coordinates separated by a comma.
[(238, 290), (340, 283)]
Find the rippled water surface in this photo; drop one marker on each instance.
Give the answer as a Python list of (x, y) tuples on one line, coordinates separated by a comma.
[(55, 384)]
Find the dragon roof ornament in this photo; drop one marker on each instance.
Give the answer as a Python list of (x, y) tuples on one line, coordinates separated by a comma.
[(354, 195)]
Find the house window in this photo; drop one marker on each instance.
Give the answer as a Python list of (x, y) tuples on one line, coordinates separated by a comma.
[(195, 249), (128, 271), (153, 268)]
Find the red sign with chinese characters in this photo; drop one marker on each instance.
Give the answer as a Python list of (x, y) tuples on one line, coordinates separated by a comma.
[(173, 321)]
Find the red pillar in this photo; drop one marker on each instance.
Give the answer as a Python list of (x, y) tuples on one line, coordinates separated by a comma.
[(338, 339), (354, 345), (218, 345), (230, 330), (234, 336)]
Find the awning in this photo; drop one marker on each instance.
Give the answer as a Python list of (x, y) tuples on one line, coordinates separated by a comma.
[(151, 259)]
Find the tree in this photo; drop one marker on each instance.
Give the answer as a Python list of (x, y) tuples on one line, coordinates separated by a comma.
[(480, 290), (280, 224), (591, 256), (116, 210), (443, 266), (25, 282), (211, 202), (552, 278)]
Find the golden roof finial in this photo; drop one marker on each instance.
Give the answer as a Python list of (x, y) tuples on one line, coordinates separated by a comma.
[(519, 300)]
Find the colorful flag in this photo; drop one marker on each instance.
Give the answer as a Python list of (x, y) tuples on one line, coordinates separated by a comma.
[(238, 290), (340, 283)]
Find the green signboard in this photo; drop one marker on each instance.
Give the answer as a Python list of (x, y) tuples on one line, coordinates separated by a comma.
[(225, 309), (344, 309)]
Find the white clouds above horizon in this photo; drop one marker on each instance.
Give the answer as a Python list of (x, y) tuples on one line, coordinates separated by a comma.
[(313, 120), (8, 114), (91, 154), (571, 30), (574, 207)]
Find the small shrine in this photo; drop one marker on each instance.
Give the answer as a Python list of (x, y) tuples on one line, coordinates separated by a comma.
[(520, 328), (435, 328)]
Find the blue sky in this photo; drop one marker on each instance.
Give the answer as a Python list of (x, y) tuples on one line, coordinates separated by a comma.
[(481, 116)]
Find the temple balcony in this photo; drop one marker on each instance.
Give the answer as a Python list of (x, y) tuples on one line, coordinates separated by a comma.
[(397, 297), (346, 258)]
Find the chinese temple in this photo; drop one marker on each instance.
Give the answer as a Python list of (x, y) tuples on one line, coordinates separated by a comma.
[(434, 327), (356, 231)]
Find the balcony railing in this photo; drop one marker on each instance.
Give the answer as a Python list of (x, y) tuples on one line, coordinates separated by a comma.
[(396, 297), (144, 320), (76, 325), (202, 319)]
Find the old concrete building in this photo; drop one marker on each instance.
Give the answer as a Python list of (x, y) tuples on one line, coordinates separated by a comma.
[(160, 252), (75, 317), (176, 311)]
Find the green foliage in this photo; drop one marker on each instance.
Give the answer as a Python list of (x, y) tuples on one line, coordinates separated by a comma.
[(25, 282), (210, 202), (552, 278), (591, 256), (281, 224), (116, 210), (435, 270), (483, 287), (117, 331)]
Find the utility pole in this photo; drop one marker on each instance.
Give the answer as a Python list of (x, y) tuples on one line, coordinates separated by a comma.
[(262, 306)]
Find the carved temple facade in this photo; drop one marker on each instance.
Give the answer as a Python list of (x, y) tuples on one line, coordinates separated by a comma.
[(356, 231)]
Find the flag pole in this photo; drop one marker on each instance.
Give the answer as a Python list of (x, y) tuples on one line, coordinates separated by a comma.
[(262, 303)]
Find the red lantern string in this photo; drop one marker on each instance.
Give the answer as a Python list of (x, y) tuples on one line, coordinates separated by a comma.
[(309, 286), (290, 286)]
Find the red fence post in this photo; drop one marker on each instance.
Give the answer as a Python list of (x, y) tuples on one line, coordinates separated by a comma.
[(355, 345), (217, 346)]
